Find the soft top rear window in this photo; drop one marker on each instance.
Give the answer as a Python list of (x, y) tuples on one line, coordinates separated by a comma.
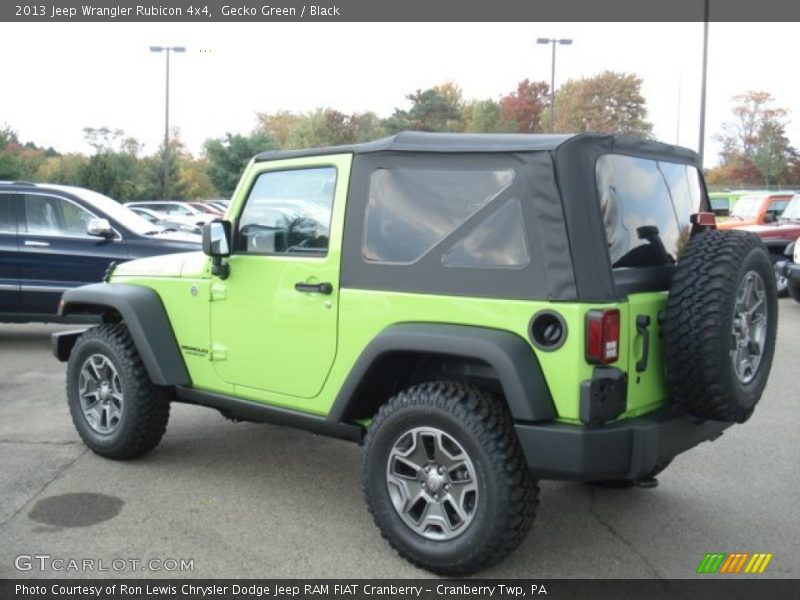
[(646, 207)]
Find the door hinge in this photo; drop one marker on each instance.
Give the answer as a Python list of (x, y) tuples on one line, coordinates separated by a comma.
[(219, 291), (219, 352)]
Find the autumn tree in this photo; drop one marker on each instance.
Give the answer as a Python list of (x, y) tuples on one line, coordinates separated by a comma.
[(279, 126), (755, 139), (19, 161), (610, 102), (524, 107)]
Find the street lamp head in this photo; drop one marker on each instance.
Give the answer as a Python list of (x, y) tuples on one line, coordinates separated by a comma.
[(179, 49), (543, 41), (565, 42), (156, 48)]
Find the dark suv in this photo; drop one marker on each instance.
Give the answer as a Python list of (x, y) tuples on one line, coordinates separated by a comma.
[(55, 237)]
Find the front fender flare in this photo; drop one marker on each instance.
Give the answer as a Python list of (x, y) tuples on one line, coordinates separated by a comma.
[(145, 317)]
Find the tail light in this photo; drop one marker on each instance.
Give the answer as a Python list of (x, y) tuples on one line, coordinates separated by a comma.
[(602, 336)]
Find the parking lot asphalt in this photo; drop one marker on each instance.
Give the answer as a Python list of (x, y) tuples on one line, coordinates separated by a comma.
[(246, 500)]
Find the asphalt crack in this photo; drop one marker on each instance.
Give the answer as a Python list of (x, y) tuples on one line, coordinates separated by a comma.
[(610, 528), (59, 473)]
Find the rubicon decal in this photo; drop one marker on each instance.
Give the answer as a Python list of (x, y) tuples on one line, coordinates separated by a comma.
[(734, 563)]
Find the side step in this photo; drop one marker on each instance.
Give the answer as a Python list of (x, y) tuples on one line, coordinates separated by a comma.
[(247, 410)]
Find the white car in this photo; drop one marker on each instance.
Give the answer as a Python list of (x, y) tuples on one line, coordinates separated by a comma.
[(174, 208), (178, 223)]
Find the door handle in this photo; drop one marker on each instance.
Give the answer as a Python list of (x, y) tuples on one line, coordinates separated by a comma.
[(643, 329), (37, 244), (318, 288)]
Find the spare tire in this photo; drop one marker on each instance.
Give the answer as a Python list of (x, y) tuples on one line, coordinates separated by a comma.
[(721, 323)]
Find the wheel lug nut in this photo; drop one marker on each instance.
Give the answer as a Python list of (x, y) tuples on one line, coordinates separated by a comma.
[(441, 469), (446, 487)]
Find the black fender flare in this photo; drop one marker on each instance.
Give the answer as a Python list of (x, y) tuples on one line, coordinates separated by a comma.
[(512, 358), (145, 317)]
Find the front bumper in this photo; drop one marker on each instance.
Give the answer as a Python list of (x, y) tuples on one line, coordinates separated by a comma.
[(626, 449)]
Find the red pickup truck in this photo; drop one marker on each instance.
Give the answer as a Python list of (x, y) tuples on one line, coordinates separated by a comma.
[(778, 235)]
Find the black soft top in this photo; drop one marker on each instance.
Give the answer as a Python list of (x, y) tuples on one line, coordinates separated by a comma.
[(418, 141)]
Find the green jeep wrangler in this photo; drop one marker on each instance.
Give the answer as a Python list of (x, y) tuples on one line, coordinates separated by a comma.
[(477, 311)]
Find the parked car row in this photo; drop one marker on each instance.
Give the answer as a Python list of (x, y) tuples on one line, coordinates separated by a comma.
[(189, 216), (772, 216), (54, 237)]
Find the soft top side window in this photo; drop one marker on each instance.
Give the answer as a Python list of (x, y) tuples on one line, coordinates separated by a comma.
[(646, 207), (410, 210)]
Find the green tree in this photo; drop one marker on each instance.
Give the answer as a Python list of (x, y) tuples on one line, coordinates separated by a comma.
[(112, 170), (771, 153), (484, 116), (436, 109), (610, 102), (66, 169), (228, 156)]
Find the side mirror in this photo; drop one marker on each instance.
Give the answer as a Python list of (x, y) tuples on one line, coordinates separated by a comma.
[(217, 245), (770, 216), (100, 228)]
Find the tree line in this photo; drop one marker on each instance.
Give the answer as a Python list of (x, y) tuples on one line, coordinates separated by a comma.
[(611, 102)]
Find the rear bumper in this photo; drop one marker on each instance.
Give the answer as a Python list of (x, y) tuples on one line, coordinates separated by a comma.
[(627, 449)]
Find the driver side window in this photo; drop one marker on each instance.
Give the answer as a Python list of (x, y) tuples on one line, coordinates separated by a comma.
[(49, 215), (288, 212)]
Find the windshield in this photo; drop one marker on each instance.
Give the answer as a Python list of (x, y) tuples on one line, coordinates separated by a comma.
[(792, 212), (747, 207), (113, 209)]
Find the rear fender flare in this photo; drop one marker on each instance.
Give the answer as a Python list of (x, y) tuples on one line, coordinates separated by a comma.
[(510, 356)]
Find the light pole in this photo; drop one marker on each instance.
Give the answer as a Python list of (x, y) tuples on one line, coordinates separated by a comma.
[(553, 42), (167, 50), (702, 143)]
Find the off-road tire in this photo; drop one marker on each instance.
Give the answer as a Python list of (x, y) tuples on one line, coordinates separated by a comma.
[(794, 290), (698, 331), (146, 406), (507, 491)]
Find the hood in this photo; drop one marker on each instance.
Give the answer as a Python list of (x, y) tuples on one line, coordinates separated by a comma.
[(774, 229), (185, 264)]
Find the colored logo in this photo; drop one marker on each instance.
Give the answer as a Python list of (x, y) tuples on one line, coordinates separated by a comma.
[(734, 562)]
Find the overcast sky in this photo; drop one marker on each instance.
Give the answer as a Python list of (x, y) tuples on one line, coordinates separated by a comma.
[(61, 77)]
